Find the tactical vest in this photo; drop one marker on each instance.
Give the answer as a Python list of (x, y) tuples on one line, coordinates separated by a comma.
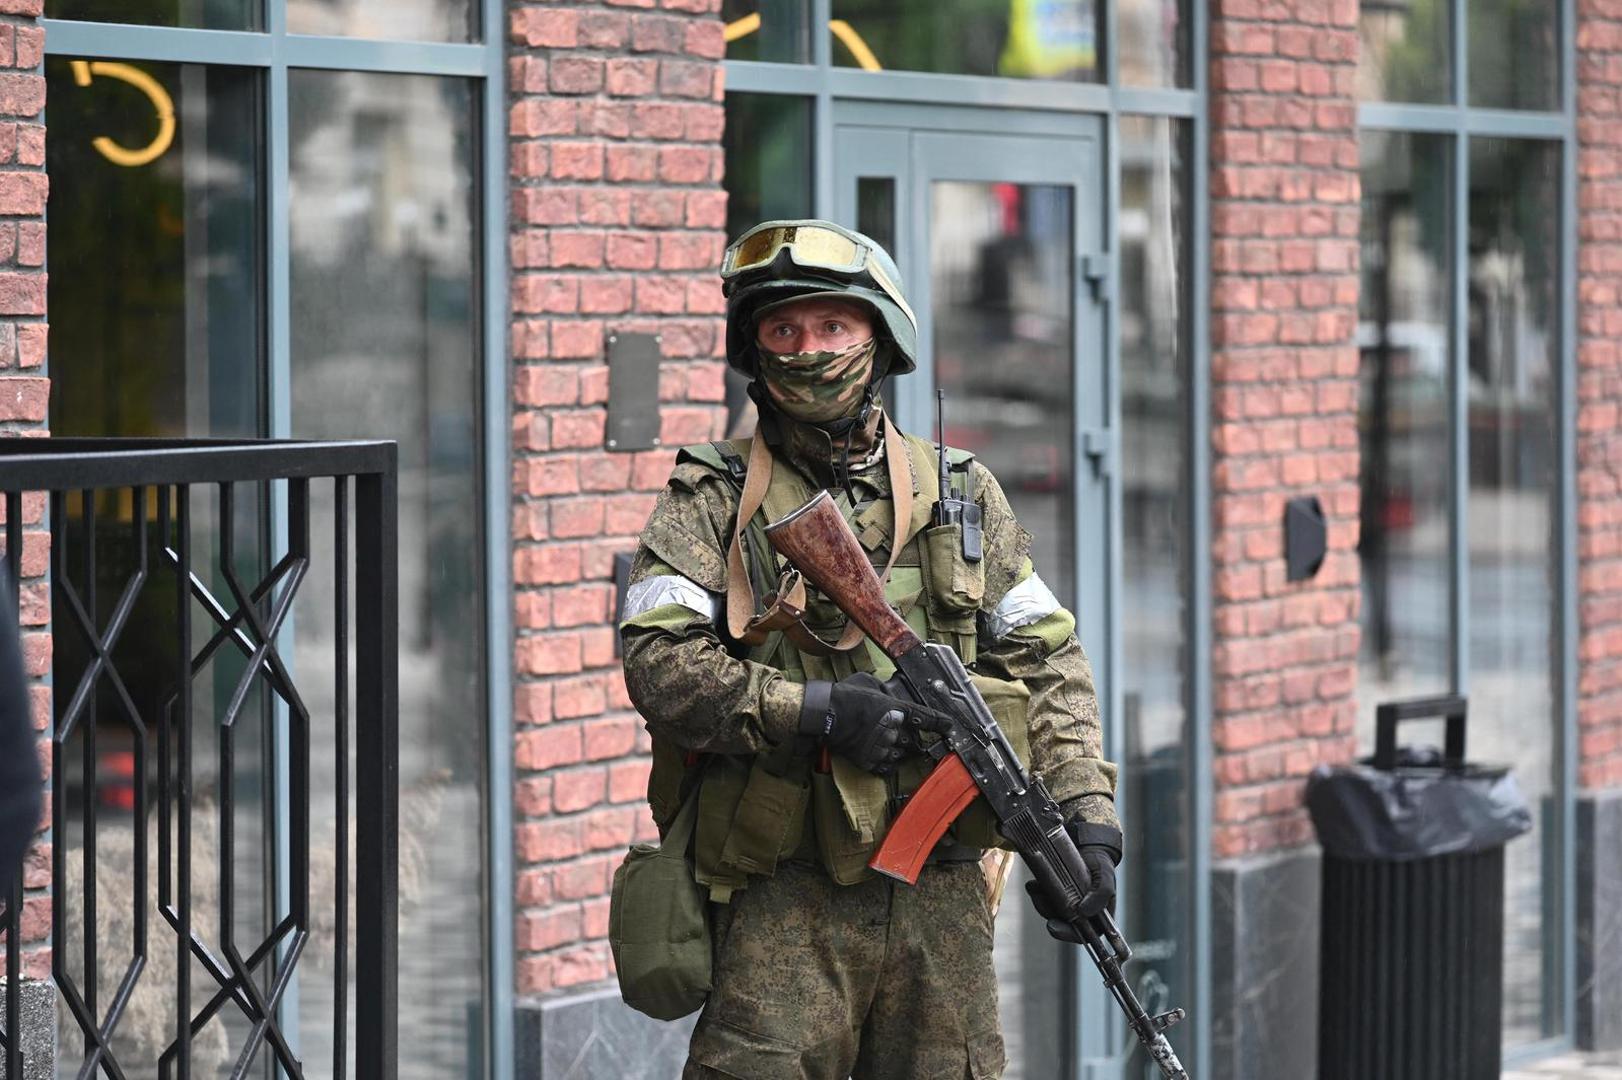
[(756, 811)]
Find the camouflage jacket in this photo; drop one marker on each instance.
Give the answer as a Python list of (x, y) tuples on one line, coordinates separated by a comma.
[(698, 695)]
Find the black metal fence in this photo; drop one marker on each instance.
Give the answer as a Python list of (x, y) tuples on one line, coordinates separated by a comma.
[(131, 642)]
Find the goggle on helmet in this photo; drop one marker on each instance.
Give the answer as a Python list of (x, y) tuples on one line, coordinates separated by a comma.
[(779, 260)]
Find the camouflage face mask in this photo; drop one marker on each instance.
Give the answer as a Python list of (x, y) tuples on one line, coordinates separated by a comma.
[(815, 387)]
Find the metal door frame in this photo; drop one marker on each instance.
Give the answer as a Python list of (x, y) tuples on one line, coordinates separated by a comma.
[(905, 143)]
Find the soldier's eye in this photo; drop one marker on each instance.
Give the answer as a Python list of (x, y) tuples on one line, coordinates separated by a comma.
[(834, 328)]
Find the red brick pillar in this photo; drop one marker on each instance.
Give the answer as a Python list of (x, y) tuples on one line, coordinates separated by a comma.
[(1599, 520), (24, 394), (617, 212), (1284, 259), (1599, 389)]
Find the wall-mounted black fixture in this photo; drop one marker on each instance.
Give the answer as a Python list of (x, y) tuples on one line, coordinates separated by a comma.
[(1306, 537), (633, 392)]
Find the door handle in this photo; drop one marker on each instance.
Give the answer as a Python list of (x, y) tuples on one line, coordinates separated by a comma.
[(1098, 270), (1098, 444)]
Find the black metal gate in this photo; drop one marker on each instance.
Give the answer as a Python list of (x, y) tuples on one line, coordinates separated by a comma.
[(142, 502)]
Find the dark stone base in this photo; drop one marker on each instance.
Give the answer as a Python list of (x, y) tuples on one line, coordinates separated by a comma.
[(1264, 963), (595, 1034), (38, 1030), (1599, 920)]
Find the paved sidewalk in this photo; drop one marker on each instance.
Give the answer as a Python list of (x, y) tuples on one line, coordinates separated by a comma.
[(1572, 1066)]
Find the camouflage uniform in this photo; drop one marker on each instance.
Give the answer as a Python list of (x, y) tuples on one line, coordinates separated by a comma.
[(870, 978)]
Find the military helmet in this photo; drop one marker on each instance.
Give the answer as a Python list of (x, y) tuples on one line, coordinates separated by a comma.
[(777, 261)]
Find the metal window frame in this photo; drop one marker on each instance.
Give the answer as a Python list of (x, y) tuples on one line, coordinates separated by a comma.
[(276, 52), (1460, 122), (823, 84)]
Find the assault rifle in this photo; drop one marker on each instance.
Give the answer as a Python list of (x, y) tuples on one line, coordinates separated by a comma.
[(973, 757)]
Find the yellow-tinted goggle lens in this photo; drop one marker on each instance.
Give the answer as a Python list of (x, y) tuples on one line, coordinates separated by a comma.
[(809, 246)]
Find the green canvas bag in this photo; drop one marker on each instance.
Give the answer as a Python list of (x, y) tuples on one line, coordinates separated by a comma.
[(658, 924)]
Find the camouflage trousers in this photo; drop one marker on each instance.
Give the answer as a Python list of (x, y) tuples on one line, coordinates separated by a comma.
[(876, 981)]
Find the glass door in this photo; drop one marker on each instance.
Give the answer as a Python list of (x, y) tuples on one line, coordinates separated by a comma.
[(996, 236)]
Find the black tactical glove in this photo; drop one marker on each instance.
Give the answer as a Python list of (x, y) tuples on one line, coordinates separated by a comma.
[(1100, 847), (859, 718)]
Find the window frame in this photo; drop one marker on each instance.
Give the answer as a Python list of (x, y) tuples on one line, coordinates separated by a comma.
[(275, 51), (1461, 122)]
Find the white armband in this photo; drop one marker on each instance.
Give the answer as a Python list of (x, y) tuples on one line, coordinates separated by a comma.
[(1028, 602), (662, 589)]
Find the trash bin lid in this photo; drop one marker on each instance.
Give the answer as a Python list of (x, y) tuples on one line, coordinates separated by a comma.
[(1415, 811)]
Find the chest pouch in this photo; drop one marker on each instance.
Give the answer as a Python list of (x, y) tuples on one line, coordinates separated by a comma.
[(751, 813), (953, 588)]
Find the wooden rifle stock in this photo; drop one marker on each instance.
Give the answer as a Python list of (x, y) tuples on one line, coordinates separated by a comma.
[(818, 541)]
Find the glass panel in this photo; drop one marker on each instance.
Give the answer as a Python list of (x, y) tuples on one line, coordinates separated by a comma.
[(157, 332), (1514, 350), (1152, 42), (778, 30), (157, 329), (195, 14), (1154, 503), (1514, 53), (385, 346), (1403, 423), (390, 20), (768, 159), (1025, 39), (875, 211), (768, 175), (1001, 265), (1406, 51)]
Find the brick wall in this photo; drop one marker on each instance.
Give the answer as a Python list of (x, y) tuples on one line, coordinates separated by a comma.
[(1599, 390), (1284, 258), (24, 389), (617, 212)]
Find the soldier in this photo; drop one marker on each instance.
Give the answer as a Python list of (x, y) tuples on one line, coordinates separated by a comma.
[(795, 747)]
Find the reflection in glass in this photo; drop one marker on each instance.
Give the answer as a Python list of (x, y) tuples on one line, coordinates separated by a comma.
[(1154, 480), (397, 20), (1151, 42), (1403, 423), (193, 14), (156, 332), (384, 346), (775, 30), (1024, 39), (768, 159), (1514, 349), (1001, 264), (875, 211), (768, 175), (1406, 51), (1514, 54)]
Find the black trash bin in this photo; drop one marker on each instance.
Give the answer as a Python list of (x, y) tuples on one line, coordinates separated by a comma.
[(1413, 905)]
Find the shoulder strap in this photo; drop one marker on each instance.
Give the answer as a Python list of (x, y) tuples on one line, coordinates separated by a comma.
[(787, 605), (731, 459), (722, 456)]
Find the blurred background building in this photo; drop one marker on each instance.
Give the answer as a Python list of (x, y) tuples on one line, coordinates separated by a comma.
[(1176, 263)]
